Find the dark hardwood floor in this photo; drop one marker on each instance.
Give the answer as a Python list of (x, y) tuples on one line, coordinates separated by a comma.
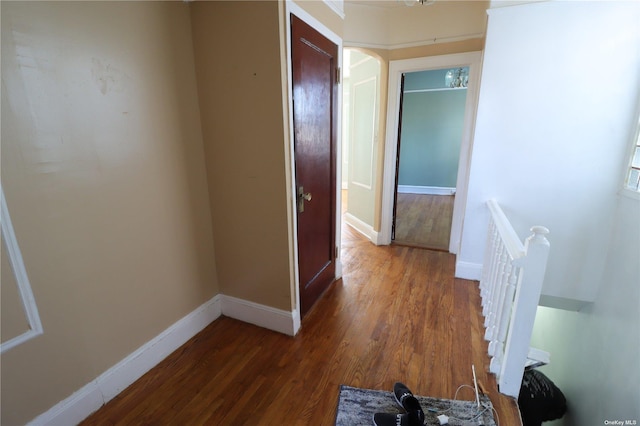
[(424, 220), (398, 314)]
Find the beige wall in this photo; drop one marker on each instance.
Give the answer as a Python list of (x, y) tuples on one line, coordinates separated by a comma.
[(240, 87), (14, 321), (323, 13), (103, 172)]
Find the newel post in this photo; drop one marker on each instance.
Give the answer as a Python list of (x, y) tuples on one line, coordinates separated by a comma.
[(523, 314)]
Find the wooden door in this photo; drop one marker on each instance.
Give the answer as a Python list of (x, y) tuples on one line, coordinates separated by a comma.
[(314, 71)]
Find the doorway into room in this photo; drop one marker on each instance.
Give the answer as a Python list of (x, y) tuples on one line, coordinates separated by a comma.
[(430, 132), (397, 69)]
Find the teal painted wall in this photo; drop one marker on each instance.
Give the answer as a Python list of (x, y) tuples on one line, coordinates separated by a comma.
[(432, 125), (433, 79)]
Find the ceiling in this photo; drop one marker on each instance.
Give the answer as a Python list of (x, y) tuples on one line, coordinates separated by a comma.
[(391, 24), (380, 3)]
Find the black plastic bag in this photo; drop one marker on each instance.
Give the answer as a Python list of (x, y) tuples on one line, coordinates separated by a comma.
[(540, 399)]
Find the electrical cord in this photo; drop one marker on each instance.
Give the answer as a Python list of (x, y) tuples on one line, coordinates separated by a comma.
[(481, 411)]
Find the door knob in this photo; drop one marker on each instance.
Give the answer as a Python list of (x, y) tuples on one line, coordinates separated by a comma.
[(301, 197)]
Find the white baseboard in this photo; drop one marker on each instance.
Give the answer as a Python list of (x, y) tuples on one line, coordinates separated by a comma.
[(362, 227), (468, 270), (74, 409), (429, 190), (264, 316), (338, 268), (378, 240), (105, 387), (93, 395)]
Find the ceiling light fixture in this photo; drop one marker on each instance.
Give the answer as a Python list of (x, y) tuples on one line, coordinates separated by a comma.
[(457, 78), (421, 2)]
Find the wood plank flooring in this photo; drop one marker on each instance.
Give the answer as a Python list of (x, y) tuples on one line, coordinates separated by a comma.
[(397, 314), (424, 220)]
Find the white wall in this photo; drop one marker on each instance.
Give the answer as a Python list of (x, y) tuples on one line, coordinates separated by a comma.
[(557, 102), (595, 354)]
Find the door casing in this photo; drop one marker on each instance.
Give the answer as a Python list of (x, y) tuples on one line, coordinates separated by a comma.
[(396, 69)]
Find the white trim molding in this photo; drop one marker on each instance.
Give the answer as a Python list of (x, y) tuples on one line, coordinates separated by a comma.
[(427, 190), (438, 89), (419, 43), (22, 280), (337, 6), (285, 322), (105, 387), (369, 144), (468, 270), (362, 227)]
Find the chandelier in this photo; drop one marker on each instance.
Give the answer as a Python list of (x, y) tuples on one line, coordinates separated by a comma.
[(458, 77), (421, 2)]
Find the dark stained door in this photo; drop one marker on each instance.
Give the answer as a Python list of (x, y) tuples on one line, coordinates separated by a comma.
[(395, 187), (314, 69)]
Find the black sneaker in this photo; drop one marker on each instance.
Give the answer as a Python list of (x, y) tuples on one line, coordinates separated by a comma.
[(406, 400), (406, 419)]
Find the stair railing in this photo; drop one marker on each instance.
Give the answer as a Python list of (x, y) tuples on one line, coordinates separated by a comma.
[(512, 277)]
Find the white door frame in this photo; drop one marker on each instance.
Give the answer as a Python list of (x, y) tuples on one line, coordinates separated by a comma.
[(396, 69)]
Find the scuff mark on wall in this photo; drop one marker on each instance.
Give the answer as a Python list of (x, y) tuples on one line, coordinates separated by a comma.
[(107, 77)]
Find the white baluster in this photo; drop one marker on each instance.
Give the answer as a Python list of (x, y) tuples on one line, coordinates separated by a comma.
[(490, 319), (523, 315), (493, 267), (498, 287), (506, 305), (495, 366), (495, 258), (488, 260)]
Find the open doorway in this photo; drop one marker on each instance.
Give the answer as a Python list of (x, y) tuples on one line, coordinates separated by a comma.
[(397, 69), (360, 138), (431, 122)]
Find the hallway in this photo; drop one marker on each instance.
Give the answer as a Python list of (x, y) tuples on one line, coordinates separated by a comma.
[(396, 315)]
